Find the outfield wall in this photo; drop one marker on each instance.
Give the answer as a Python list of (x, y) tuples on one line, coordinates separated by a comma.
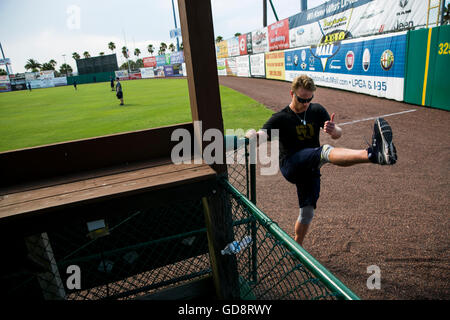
[(428, 65), (355, 45), (391, 66)]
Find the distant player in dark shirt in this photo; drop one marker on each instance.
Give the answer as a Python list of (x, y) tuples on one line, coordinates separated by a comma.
[(112, 84), (301, 155), (119, 92)]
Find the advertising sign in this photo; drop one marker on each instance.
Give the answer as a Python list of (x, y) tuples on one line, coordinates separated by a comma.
[(222, 49), (5, 61), (161, 60), (121, 74), (231, 66), (357, 18), (147, 73), (177, 57), (249, 43), (221, 67), (243, 44), (279, 35), (275, 65), (168, 71), (233, 47), (260, 41), (257, 65), (149, 62), (243, 66), (374, 65)]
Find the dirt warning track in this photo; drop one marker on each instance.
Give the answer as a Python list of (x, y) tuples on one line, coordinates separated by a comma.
[(394, 217)]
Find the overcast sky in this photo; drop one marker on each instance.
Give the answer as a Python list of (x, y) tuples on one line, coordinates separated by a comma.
[(48, 29)]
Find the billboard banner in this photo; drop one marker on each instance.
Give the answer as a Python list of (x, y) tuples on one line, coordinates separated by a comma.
[(149, 62), (243, 66), (231, 66), (176, 57), (161, 60), (60, 81), (356, 18), (243, 44), (275, 65), (221, 67), (222, 49), (260, 41), (134, 76), (147, 73), (233, 47), (168, 71), (121, 74), (5, 86), (279, 35), (249, 43), (257, 65), (374, 65)]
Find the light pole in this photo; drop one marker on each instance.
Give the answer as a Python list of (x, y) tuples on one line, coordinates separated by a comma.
[(65, 64), (175, 20)]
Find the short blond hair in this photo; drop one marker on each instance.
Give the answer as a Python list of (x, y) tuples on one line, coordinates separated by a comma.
[(304, 82)]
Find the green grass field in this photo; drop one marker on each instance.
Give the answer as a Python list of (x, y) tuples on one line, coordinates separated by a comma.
[(45, 116)]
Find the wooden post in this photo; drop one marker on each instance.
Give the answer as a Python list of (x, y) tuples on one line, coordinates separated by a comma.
[(201, 66)]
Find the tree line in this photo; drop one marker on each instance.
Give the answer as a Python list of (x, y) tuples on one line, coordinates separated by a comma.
[(65, 69)]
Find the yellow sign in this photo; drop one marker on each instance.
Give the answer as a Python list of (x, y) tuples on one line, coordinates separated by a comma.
[(275, 65), (222, 49)]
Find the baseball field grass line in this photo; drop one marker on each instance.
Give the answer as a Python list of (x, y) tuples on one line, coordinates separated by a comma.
[(52, 115)]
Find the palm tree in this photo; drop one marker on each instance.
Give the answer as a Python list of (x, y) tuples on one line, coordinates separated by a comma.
[(172, 47), (219, 38), (162, 48), (125, 52), (111, 46), (101, 53), (3, 72), (86, 54), (237, 34), (446, 16), (65, 69), (150, 49), (33, 65), (47, 66), (53, 63), (76, 56), (137, 52)]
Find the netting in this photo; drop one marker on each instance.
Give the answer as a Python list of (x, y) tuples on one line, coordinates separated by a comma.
[(136, 252)]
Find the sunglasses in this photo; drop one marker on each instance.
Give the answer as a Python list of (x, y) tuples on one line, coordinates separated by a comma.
[(301, 100)]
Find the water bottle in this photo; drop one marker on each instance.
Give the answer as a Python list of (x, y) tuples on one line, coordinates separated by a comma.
[(236, 246)]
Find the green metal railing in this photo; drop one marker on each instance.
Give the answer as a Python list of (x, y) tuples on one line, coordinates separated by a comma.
[(303, 276)]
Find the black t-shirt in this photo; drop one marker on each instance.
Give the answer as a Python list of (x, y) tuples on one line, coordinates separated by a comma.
[(293, 134)]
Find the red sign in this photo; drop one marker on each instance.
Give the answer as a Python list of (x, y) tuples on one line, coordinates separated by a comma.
[(279, 35), (149, 62), (243, 44), (134, 76)]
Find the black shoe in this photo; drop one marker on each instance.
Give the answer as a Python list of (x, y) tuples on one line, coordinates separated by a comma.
[(382, 150)]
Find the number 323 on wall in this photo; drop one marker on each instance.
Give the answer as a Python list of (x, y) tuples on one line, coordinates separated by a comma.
[(444, 48)]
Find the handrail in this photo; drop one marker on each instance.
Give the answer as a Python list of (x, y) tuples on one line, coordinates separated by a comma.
[(328, 279)]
